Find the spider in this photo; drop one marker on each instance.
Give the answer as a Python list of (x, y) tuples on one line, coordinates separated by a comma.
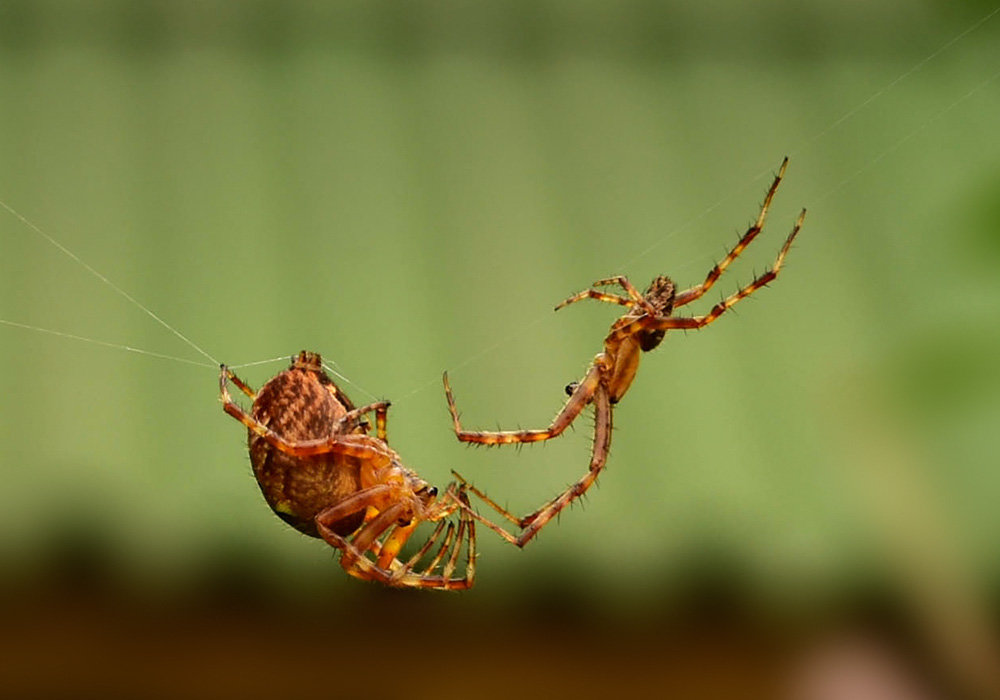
[(641, 329), (323, 474)]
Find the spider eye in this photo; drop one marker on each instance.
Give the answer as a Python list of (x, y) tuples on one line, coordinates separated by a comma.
[(432, 491), (571, 387)]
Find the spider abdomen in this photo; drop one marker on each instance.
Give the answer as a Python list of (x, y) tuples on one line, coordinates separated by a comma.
[(299, 406)]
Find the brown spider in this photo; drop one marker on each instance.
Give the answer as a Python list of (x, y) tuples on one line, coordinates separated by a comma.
[(641, 329), (322, 473)]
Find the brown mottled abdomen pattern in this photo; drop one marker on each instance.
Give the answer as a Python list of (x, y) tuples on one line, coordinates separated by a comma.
[(298, 405)]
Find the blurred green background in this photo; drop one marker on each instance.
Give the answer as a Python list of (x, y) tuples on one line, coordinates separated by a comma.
[(409, 188)]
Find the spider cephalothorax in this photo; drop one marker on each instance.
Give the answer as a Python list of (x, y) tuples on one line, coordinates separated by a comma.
[(660, 297), (610, 375), (323, 474)]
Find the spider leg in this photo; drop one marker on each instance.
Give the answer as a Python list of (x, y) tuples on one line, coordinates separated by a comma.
[(449, 539), (488, 523), (534, 522), (428, 544), (352, 418), (452, 543), (448, 503), (689, 295), (594, 294), (361, 446), (634, 297), (392, 545), (695, 322), (352, 557), (449, 566), (454, 502), (352, 504), (226, 373), (352, 551), (466, 530), (582, 395), (386, 568), (487, 500), (368, 534), (602, 443), (402, 575), (633, 293)]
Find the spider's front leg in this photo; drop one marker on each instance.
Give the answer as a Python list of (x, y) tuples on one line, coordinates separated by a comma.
[(634, 297), (582, 395), (626, 327), (689, 295)]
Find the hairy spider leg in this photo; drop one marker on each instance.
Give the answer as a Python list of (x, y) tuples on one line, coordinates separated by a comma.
[(623, 282), (240, 384), (626, 327), (446, 546), (465, 525), (582, 395), (387, 569), (492, 504), (635, 298), (595, 294), (689, 295), (429, 542), (532, 523)]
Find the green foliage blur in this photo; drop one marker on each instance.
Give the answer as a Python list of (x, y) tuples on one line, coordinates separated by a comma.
[(411, 187)]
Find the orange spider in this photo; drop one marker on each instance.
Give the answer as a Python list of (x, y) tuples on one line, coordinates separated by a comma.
[(322, 473), (641, 329)]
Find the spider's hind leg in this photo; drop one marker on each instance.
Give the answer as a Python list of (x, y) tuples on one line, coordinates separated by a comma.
[(582, 395), (531, 524), (488, 501), (534, 522)]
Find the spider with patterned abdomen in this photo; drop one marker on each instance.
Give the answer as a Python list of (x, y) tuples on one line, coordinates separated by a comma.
[(650, 315), (323, 474)]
